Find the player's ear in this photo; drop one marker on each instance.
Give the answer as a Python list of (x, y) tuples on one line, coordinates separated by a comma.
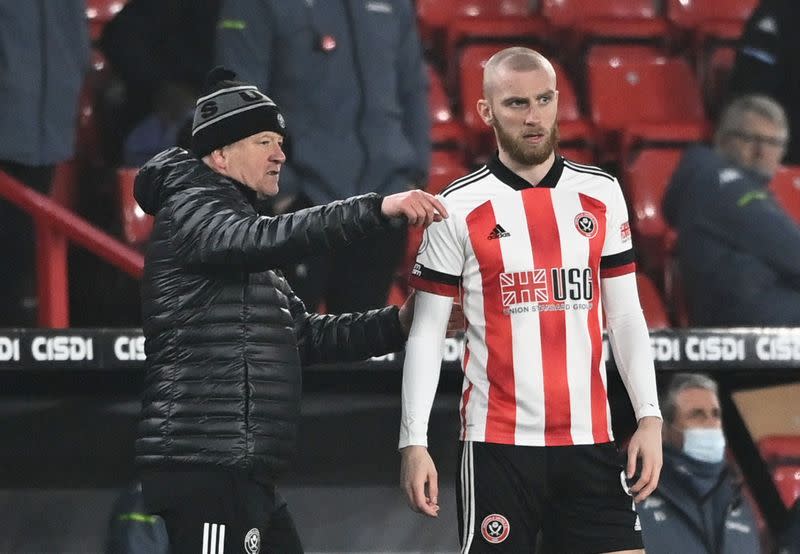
[(485, 111)]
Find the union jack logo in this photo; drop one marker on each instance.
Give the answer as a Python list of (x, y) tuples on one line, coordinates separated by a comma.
[(521, 287)]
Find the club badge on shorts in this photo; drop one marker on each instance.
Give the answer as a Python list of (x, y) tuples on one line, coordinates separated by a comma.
[(252, 541), (495, 528)]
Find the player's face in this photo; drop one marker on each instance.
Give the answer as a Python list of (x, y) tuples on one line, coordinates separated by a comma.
[(522, 111), (758, 144), (256, 161)]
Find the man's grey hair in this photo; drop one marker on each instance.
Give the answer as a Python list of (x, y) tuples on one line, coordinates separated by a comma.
[(679, 383), (732, 116)]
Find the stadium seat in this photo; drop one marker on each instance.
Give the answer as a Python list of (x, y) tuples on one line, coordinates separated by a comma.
[(578, 21), (100, 12), (631, 94), (645, 180), (446, 167), (711, 30), (786, 187), (445, 129), (787, 480), (655, 312), (136, 225), (780, 449), (694, 14)]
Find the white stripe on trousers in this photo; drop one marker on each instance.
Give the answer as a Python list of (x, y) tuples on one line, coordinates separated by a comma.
[(214, 545), (467, 497)]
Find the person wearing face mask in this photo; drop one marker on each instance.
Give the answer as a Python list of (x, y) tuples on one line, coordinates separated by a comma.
[(738, 249), (698, 506)]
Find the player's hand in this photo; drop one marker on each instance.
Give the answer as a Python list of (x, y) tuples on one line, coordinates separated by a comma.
[(419, 480), (417, 206), (645, 444)]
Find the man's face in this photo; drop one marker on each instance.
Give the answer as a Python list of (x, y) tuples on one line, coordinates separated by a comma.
[(522, 108), (759, 144), (256, 161), (695, 408)]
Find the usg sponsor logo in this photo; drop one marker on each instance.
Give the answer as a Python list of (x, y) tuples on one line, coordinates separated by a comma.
[(62, 349), (9, 349), (665, 349), (770, 348), (713, 349), (129, 348)]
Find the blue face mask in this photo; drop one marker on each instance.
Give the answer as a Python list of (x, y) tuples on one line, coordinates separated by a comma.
[(705, 444)]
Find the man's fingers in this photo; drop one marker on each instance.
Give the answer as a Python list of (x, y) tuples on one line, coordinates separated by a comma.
[(633, 453), (439, 207)]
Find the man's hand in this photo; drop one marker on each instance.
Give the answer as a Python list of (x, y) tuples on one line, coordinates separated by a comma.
[(645, 444), (418, 473), (417, 206)]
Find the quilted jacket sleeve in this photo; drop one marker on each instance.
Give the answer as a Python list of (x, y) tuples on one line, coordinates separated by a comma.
[(213, 228), (346, 337)]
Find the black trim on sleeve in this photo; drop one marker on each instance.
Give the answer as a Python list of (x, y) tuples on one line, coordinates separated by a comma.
[(617, 260), (436, 276)]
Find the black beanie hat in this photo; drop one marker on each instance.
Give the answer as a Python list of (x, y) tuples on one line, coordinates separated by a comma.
[(229, 111)]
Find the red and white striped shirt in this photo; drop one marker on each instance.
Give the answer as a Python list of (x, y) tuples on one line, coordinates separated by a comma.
[(527, 262)]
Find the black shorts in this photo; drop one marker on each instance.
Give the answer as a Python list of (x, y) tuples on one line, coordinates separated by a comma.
[(575, 496), (220, 512)]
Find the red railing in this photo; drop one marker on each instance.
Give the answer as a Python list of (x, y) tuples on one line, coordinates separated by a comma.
[(56, 227)]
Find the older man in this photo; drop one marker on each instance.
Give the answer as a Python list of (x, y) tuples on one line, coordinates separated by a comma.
[(739, 251)]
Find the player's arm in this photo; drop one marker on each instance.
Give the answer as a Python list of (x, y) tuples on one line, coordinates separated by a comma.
[(421, 370), (630, 343)]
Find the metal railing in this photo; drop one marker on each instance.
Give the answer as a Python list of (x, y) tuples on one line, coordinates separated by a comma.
[(55, 228)]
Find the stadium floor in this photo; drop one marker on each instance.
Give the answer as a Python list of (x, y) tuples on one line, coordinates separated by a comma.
[(65, 458)]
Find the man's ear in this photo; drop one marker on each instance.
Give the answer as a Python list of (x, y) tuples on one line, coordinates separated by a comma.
[(219, 158), (485, 111)]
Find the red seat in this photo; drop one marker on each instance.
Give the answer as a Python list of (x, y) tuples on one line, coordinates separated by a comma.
[(787, 480), (645, 180), (445, 128), (445, 168), (693, 14), (655, 312), (779, 449), (632, 98), (100, 12), (786, 187), (136, 225), (579, 21)]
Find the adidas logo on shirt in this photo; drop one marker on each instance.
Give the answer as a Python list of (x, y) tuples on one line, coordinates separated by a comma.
[(498, 232)]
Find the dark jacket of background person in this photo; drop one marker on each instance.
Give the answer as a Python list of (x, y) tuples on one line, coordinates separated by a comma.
[(44, 55), (768, 62), (161, 51), (738, 249), (225, 335), (677, 519), (358, 109)]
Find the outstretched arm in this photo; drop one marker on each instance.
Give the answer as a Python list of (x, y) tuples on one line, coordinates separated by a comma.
[(630, 341), (423, 362)]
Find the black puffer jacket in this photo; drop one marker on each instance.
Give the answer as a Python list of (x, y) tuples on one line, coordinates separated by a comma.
[(225, 334)]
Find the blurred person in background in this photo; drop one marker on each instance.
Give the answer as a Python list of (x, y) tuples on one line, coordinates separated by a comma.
[(160, 50), (225, 335), (349, 76), (698, 506), (738, 249), (44, 56), (768, 62)]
